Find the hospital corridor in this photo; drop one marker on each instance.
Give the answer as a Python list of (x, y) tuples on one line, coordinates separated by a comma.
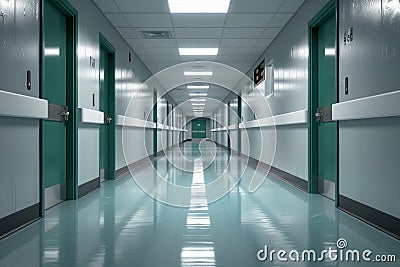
[(177, 133)]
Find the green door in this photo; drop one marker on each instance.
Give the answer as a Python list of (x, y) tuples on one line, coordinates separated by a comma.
[(104, 107), (199, 128), (327, 95), (54, 131)]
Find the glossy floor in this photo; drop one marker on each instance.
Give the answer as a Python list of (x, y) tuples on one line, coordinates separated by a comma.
[(120, 225)]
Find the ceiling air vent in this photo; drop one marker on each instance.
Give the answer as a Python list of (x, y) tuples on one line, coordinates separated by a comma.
[(156, 34)]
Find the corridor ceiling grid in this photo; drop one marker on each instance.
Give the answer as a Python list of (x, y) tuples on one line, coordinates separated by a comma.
[(242, 34)]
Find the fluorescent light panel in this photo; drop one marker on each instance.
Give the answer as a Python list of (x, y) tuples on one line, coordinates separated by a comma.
[(198, 104), (198, 87), (198, 94), (198, 51), (198, 73), (198, 100), (198, 6)]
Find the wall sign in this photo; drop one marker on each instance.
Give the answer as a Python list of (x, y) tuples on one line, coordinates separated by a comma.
[(348, 36), (92, 62), (259, 73)]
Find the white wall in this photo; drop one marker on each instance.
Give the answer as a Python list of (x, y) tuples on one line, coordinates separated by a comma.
[(369, 149), (128, 76), (289, 52), (19, 138)]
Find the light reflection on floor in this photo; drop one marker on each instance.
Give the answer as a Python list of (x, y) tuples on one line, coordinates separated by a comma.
[(119, 225)]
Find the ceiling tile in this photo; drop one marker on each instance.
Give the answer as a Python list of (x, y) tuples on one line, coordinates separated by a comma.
[(199, 20), (245, 43), (138, 6), (158, 43), (135, 43), (162, 51), (238, 57), (290, 6), (107, 6), (248, 20), (270, 33), (149, 20), (280, 20), (256, 6), (263, 43), (242, 32), (187, 43), (127, 32), (185, 33), (198, 58), (231, 51), (118, 20)]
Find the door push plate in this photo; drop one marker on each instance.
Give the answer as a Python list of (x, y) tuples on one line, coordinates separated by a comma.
[(58, 113), (324, 114)]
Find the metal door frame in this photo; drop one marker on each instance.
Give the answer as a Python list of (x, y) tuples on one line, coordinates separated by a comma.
[(331, 8), (109, 48), (71, 15)]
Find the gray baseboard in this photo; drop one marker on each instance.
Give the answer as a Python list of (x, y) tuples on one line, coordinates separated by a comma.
[(88, 187), (278, 173), (383, 221), (19, 219)]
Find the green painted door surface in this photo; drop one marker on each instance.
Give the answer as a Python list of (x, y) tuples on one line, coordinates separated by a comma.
[(199, 128), (55, 91), (327, 95), (104, 81)]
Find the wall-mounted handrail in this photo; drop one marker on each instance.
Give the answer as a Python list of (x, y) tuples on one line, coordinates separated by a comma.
[(22, 106)]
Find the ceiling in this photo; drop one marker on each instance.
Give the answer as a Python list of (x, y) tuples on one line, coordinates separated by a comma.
[(241, 35), (181, 97)]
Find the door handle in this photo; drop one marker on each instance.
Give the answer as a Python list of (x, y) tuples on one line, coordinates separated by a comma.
[(65, 113), (107, 119)]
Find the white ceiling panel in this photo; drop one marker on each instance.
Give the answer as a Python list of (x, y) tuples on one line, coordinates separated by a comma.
[(137, 43), (270, 33), (199, 20), (280, 20), (189, 33), (290, 6), (228, 51), (118, 20), (242, 32), (263, 43), (159, 43), (128, 33), (162, 51), (238, 43), (197, 58), (149, 20), (137, 6), (248, 20), (107, 6), (256, 6)]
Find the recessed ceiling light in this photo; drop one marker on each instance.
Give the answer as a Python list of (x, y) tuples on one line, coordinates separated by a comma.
[(198, 6), (198, 94), (197, 100), (198, 51), (198, 104), (198, 73), (198, 87)]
